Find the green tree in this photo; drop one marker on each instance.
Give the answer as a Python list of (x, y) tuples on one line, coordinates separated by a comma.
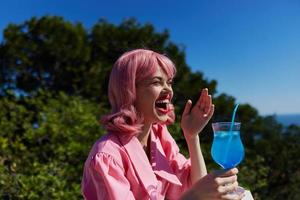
[(47, 53), (53, 54), (44, 143)]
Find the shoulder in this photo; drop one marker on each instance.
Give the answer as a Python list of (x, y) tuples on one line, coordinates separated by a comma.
[(108, 143), (108, 146)]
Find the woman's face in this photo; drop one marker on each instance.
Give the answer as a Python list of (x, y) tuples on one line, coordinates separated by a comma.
[(153, 97)]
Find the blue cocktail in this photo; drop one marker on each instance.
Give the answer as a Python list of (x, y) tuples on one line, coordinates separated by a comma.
[(227, 148)]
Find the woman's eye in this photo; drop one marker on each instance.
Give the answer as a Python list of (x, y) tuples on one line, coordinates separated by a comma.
[(156, 83)]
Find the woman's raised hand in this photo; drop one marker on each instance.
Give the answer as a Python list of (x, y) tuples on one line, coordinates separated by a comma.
[(195, 118)]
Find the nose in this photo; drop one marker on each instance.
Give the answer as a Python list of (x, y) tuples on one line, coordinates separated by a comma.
[(168, 87)]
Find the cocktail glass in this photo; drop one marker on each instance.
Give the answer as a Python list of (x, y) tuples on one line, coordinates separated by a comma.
[(227, 148)]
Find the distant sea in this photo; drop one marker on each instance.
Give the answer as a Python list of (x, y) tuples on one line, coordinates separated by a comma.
[(288, 119)]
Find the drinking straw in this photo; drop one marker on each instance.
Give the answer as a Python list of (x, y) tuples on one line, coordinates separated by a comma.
[(230, 132), (233, 117)]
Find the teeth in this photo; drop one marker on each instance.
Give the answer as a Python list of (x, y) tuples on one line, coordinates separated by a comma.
[(162, 101)]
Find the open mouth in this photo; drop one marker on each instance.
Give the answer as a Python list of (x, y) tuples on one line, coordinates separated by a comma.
[(162, 104)]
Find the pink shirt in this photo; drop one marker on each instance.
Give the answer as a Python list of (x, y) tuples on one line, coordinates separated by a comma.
[(118, 168)]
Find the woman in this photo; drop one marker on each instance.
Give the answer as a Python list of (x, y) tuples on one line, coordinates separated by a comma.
[(138, 158)]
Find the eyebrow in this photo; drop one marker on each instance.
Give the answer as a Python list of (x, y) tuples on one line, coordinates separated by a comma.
[(157, 77), (160, 78)]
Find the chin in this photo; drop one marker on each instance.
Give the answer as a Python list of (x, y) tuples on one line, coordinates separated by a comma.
[(159, 117), (162, 119), (162, 122)]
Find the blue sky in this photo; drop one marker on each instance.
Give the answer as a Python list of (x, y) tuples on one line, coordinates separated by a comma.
[(251, 47)]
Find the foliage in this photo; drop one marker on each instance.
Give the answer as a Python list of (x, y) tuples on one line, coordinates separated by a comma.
[(53, 88), (44, 143)]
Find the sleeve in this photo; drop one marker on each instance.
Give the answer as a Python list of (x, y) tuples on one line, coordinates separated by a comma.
[(104, 179), (178, 163)]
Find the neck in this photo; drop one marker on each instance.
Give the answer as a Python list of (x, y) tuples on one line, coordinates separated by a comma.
[(144, 135)]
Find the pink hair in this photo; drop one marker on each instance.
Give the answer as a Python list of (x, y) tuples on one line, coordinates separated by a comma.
[(129, 70)]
